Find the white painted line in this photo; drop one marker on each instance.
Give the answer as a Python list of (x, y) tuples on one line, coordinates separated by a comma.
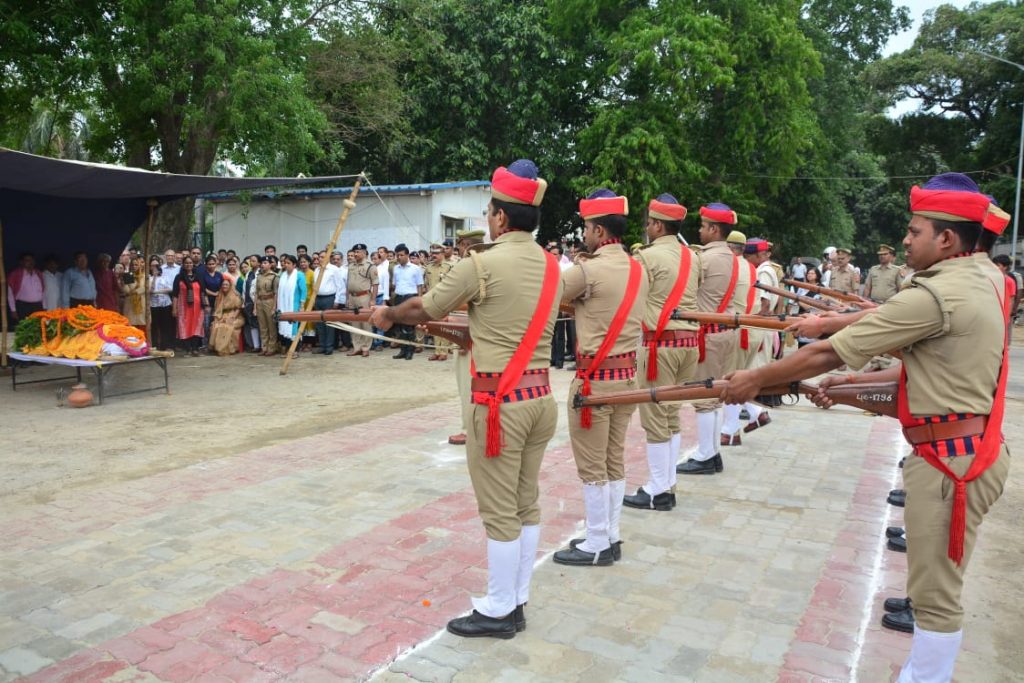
[(903, 448)]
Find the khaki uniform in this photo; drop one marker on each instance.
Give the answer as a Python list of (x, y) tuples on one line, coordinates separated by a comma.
[(950, 328), (660, 260), (597, 286), (362, 277), (265, 305), (844, 280), (883, 282), (433, 274), (502, 285), (720, 357)]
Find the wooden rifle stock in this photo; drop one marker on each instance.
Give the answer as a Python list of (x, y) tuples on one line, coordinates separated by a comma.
[(825, 291), (763, 322), (452, 328), (876, 397), (804, 300)]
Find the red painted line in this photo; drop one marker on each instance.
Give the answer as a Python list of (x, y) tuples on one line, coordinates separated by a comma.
[(825, 644), (358, 606)]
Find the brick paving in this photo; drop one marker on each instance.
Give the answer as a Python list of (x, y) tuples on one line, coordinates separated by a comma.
[(342, 556)]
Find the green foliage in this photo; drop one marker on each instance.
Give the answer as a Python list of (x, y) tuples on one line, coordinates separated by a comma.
[(28, 333)]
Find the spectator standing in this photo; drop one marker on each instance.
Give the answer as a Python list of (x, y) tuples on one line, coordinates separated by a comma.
[(53, 284), (291, 295), (26, 288), (162, 318), (210, 279), (171, 265), (265, 303), (408, 283), (107, 285), (188, 302), (799, 269), (326, 299), (133, 293), (79, 286)]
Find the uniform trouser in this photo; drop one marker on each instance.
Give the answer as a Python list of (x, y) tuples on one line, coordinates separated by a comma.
[(934, 582), (462, 379), (324, 332), (268, 327), (675, 366), (507, 493), (360, 342), (600, 451), (720, 357), (444, 346)]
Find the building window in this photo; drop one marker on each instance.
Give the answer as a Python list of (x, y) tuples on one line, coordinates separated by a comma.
[(451, 225)]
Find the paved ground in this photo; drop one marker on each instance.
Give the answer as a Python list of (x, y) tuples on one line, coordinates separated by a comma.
[(330, 557)]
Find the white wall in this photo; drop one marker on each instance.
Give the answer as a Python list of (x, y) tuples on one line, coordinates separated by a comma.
[(392, 218)]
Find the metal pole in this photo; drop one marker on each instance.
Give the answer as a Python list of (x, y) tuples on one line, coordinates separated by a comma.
[(1016, 203)]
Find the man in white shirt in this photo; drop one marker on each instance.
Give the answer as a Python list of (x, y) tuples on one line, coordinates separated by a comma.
[(53, 280), (799, 270), (408, 283), (172, 264), (326, 299)]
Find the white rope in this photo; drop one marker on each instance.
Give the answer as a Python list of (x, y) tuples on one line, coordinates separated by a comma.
[(373, 335)]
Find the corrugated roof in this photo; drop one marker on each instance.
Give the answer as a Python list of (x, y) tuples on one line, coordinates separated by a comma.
[(414, 188)]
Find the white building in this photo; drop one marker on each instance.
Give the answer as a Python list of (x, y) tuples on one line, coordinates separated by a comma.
[(385, 215)]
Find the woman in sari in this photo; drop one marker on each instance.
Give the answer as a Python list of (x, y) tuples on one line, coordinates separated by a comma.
[(187, 293), (227, 320), (133, 293), (232, 273), (291, 295)]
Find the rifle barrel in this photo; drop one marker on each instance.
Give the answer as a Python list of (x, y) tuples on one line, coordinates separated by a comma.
[(805, 300), (825, 291)]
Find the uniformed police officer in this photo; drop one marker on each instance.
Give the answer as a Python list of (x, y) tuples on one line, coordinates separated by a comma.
[(725, 283), (464, 241), (362, 291), (845, 278), (609, 292), (950, 325), (266, 305), (435, 272), (669, 348), (883, 280), (513, 290)]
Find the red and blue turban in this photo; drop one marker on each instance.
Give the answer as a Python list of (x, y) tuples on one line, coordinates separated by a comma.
[(603, 202), (519, 183), (666, 208), (718, 213), (955, 197)]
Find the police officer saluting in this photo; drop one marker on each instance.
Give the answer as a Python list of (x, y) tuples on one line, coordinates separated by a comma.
[(950, 324), (513, 290), (609, 292)]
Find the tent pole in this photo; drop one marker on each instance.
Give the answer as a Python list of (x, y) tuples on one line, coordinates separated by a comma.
[(3, 301), (349, 204), (151, 203)]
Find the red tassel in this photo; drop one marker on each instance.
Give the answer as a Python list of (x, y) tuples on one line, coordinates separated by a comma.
[(958, 523), (700, 345), (586, 417), (744, 339), (652, 361), (493, 449)]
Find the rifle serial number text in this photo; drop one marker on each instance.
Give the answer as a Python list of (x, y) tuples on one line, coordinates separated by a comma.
[(876, 398)]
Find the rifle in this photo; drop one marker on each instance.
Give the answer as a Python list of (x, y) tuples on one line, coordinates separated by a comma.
[(804, 300), (762, 322), (825, 291), (878, 397), (451, 328)]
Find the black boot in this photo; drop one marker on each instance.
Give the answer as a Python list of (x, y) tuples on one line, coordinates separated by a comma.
[(899, 544), (899, 621), (477, 625), (574, 557), (896, 604), (642, 500), (894, 531), (709, 466), (520, 617), (616, 547), (897, 497)]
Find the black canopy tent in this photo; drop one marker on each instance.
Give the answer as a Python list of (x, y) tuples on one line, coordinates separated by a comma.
[(60, 207)]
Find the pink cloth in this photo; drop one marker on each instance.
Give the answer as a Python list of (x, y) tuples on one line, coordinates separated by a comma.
[(106, 289), (25, 286)]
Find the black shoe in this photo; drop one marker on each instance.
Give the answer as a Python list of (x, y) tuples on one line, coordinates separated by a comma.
[(641, 500), (318, 350), (899, 544), (719, 465), (616, 547), (477, 625), (894, 531), (574, 557), (897, 497), (671, 499), (899, 621), (400, 355), (692, 466), (520, 617), (902, 460), (896, 604)]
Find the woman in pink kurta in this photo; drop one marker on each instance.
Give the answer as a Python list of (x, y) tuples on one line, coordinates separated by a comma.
[(187, 293)]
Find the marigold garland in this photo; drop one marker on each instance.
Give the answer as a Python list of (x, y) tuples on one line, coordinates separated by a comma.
[(58, 328)]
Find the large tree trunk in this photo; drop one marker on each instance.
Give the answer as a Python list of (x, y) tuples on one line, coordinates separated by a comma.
[(171, 230)]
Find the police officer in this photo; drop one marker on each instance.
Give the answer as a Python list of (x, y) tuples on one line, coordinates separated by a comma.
[(436, 271), (464, 241), (362, 291), (668, 353), (883, 280), (950, 325), (513, 289), (609, 292), (725, 283), (844, 278), (266, 305)]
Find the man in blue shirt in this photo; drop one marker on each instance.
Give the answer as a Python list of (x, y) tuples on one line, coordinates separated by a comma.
[(79, 287)]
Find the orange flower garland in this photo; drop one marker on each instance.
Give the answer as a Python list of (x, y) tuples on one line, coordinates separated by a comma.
[(107, 326)]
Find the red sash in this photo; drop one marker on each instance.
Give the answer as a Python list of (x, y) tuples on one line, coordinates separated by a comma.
[(614, 330), (984, 456), (675, 295), (513, 372), (751, 300), (724, 304)]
